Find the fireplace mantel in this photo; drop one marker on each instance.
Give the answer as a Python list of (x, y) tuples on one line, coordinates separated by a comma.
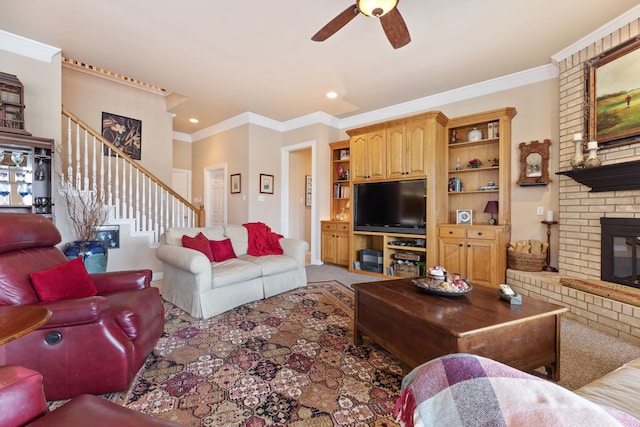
[(615, 177)]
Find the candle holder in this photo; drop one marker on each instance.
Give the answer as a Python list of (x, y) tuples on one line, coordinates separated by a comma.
[(547, 262)]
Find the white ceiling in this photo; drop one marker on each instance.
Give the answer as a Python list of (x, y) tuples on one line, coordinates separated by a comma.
[(257, 56)]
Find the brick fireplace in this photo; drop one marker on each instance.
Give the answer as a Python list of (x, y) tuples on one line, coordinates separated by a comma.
[(579, 233)]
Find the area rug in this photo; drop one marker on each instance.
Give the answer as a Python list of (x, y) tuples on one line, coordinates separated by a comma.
[(286, 360)]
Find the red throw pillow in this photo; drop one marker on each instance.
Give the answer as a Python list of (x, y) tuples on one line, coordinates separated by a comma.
[(222, 250), (199, 243), (62, 282)]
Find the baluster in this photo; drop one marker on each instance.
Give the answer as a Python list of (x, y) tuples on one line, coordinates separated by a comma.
[(137, 198)]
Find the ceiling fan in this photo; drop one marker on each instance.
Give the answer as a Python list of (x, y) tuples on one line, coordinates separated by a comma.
[(386, 10)]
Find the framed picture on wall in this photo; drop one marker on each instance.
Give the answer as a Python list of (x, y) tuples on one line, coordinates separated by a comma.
[(235, 183), (123, 132), (266, 183), (307, 190), (613, 91)]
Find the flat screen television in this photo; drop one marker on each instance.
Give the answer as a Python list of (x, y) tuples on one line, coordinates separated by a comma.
[(391, 207)]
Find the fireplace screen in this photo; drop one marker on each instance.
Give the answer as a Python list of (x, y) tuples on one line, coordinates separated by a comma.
[(620, 244)]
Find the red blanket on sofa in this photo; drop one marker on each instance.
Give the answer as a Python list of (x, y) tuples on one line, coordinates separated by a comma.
[(262, 241)]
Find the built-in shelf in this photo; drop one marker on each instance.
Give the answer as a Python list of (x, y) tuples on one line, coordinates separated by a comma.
[(615, 177)]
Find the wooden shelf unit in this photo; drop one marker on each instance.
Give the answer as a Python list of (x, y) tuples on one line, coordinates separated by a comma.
[(478, 250), (335, 230)]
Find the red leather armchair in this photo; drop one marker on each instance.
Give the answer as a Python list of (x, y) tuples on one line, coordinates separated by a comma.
[(22, 403), (90, 345)]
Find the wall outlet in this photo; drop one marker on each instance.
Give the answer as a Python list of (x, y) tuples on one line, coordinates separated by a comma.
[(540, 210)]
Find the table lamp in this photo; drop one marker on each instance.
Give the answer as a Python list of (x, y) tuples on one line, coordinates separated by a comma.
[(492, 208)]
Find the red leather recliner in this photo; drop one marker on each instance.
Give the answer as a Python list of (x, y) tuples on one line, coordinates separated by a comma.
[(22, 403), (90, 345)]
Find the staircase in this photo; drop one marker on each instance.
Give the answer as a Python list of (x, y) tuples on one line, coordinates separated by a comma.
[(92, 165)]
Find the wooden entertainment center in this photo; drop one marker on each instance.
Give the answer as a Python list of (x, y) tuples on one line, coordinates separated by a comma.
[(473, 151)]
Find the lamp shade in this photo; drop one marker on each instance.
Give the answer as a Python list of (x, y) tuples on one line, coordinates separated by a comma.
[(376, 8), (492, 207)]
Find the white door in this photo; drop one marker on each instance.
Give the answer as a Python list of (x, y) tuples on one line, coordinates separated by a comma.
[(216, 203), (181, 182)]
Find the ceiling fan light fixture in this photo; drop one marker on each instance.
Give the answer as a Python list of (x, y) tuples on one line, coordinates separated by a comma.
[(376, 8)]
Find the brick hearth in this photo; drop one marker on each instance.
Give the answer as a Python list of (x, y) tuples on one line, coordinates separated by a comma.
[(612, 317)]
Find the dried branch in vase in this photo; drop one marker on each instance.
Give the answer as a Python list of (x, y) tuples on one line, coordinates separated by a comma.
[(87, 210)]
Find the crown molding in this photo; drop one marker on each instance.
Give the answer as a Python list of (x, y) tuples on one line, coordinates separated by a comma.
[(608, 28), (499, 84), (522, 78), (28, 48)]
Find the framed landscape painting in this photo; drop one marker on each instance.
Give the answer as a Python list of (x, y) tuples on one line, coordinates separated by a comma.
[(613, 88)]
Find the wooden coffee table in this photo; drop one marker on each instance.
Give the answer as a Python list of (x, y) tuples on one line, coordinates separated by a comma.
[(417, 327)]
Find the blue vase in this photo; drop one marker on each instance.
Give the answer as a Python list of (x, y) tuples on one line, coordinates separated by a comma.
[(94, 253)]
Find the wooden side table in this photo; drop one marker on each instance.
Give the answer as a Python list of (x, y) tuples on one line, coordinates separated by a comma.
[(19, 320), (547, 263)]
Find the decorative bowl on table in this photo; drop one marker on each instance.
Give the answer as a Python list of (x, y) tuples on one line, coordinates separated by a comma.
[(439, 282)]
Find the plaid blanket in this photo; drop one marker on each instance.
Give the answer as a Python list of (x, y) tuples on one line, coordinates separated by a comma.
[(467, 390)]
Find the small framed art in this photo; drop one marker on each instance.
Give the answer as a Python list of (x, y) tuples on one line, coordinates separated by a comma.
[(266, 183), (307, 190), (236, 183)]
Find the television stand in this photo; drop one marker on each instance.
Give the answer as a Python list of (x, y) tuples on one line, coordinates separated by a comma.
[(403, 255)]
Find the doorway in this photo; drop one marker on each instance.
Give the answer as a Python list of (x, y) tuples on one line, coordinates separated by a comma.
[(215, 195), (294, 201)]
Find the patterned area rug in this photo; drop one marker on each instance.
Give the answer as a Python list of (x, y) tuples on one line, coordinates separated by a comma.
[(287, 360)]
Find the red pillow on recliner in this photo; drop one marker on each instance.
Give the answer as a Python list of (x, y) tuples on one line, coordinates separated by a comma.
[(62, 282)]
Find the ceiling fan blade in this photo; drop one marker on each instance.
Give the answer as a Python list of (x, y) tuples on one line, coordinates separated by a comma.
[(336, 23), (395, 28)]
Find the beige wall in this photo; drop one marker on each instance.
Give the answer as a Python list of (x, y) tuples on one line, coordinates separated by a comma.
[(182, 155), (230, 148), (87, 96)]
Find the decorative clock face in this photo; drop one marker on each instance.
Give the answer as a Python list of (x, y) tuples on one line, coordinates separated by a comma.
[(464, 216)]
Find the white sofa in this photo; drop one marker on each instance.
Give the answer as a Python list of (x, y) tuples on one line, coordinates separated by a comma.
[(204, 289)]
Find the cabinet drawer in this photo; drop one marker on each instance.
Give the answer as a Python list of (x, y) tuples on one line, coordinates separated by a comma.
[(329, 226), (342, 226), (452, 232), (483, 234)]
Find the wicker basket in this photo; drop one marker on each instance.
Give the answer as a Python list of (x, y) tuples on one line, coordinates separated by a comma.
[(404, 270), (525, 261)]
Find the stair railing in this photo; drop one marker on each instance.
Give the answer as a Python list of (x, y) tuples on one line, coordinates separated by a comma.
[(90, 163)]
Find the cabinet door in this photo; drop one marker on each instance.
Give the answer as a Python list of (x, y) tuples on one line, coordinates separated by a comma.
[(359, 167), (342, 247), (328, 247), (481, 262), (415, 150), (377, 155), (396, 153), (453, 256)]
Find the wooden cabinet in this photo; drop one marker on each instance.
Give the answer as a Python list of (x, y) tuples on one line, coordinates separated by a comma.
[(11, 104), (407, 150), (335, 242), (26, 165), (368, 156), (475, 252), (412, 147)]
